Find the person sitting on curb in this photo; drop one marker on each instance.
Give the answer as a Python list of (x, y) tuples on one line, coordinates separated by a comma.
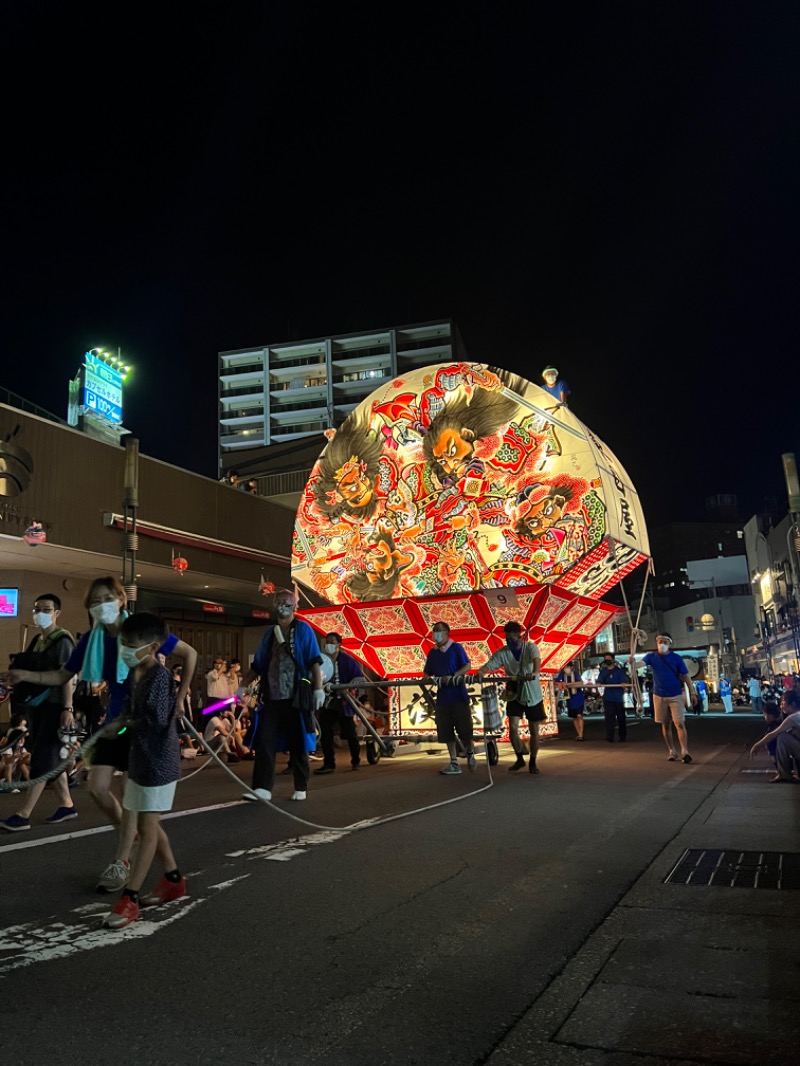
[(787, 748), (14, 756)]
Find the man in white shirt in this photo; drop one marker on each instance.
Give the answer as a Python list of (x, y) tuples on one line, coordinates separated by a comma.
[(754, 689), (522, 663), (217, 687)]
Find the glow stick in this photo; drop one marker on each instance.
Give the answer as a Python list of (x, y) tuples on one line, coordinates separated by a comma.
[(221, 704)]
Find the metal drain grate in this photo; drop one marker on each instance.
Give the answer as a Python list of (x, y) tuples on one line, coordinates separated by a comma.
[(736, 869)]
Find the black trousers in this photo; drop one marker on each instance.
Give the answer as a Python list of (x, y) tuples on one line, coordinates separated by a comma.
[(615, 714), (331, 716), (279, 719), (44, 722)]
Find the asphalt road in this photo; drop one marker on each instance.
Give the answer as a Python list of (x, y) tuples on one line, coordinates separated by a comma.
[(424, 939)]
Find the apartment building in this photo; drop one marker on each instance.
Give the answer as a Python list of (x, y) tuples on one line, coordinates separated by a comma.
[(284, 394)]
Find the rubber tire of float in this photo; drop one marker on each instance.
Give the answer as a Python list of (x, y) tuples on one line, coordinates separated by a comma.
[(491, 752), (373, 751)]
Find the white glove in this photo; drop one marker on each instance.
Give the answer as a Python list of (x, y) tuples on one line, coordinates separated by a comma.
[(319, 699)]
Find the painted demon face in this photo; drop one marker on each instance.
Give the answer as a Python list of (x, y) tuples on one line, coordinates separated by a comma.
[(380, 561), (353, 485), (543, 515), (453, 451)]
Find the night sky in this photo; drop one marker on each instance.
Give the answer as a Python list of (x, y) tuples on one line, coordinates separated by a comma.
[(613, 188)]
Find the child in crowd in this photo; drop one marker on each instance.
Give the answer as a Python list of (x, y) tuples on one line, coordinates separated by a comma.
[(15, 757), (154, 764)]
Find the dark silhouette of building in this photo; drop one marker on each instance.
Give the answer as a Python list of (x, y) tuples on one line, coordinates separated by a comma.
[(674, 544)]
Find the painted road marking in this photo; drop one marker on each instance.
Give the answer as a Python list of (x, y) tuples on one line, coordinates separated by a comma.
[(25, 945), (288, 849), (24, 845)]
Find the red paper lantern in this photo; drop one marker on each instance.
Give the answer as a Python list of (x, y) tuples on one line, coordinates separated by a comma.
[(34, 534), (179, 564)]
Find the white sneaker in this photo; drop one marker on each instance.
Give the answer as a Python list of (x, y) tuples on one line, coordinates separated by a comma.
[(298, 796), (257, 794), (114, 877)]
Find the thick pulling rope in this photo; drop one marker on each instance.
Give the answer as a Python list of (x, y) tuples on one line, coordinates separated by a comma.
[(365, 824), (638, 636), (57, 771)]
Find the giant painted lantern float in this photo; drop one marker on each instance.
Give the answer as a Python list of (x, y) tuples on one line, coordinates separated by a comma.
[(466, 494)]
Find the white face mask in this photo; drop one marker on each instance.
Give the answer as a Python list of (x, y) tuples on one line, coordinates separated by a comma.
[(105, 613), (439, 637), (331, 648), (663, 648), (42, 620), (130, 656)]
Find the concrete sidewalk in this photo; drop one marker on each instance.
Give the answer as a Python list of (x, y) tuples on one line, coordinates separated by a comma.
[(678, 973)]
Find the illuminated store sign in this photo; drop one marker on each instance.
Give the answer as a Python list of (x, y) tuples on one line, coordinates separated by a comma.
[(102, 389), (9, 603)]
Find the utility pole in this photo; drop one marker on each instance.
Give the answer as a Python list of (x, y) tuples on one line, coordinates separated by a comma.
[(130, 538)]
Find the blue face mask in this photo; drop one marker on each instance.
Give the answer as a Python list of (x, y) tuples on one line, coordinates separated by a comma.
[(513, 642)]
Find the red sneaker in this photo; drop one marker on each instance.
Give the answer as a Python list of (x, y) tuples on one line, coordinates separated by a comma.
[(164, 892), (124, 912)]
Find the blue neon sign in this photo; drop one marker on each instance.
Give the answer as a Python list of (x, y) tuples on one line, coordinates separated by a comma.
[(102, 389)]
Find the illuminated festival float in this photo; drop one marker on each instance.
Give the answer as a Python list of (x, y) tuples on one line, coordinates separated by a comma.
[(465, 494)]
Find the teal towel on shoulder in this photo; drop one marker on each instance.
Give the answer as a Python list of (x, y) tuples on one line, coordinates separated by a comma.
[(92, 670)]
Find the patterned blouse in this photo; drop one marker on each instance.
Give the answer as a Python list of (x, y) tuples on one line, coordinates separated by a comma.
[(155, 756)]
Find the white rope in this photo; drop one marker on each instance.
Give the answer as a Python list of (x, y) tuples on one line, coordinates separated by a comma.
[(638, 636), (369, 824)]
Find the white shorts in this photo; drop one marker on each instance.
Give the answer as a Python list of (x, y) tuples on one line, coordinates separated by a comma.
[(669, 708), (154, 798)]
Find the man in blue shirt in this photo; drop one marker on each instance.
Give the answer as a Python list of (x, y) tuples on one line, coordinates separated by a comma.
[(338, 711), (612, 673), (448, 663), (701, 688), (670, 677), (556, 386), (576, 700), (725, 694)]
